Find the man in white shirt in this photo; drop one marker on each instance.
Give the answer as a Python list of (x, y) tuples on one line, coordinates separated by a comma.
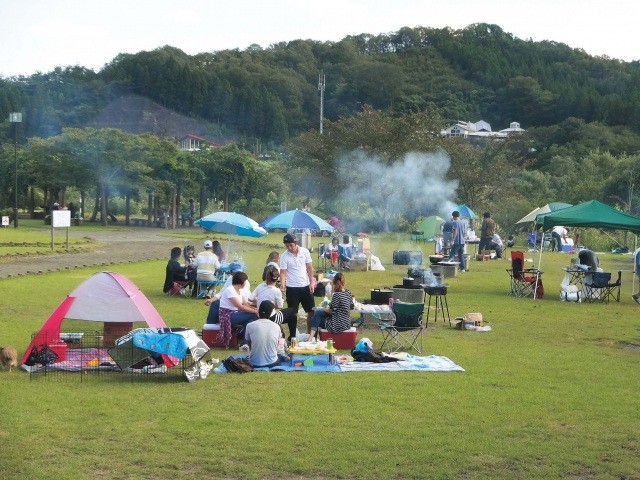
[(296, 276), (262, 336), (558, 234)]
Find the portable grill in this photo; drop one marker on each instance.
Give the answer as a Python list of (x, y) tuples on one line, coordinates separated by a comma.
[(435, 289)]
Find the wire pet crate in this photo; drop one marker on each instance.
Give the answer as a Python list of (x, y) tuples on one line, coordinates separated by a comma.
[(87, 354)]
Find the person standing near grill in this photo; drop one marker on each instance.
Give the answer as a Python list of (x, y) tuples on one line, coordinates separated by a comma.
[(296, 277), (447, 230), (458, 239), (487, 231)]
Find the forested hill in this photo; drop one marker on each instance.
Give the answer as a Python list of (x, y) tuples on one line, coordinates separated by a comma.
[(479, 72)]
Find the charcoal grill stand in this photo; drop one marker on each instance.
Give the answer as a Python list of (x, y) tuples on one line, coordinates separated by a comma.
[(440, 305)]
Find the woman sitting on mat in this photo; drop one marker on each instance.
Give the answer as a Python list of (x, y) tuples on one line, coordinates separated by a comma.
[(336, 317)]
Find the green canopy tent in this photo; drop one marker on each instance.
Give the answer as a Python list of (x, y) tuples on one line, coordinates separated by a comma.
[(430, 226), (591, 214)]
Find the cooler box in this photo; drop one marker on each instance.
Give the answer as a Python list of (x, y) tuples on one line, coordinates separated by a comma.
[(566, 245), (60, 348), (212, 336), (342, 341), (401, 257)]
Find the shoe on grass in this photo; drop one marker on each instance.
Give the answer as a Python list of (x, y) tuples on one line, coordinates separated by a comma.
[(636, 298)]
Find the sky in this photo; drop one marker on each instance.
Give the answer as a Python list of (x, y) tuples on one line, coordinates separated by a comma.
[(39, 35)]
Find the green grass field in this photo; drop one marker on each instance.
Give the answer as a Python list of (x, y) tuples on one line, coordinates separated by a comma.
[(550, 392)]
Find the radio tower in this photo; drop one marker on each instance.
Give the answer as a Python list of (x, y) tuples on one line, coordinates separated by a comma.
[(321, 85)]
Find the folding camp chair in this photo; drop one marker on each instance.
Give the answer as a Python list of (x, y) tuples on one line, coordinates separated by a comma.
[(525, 282), (600, 289), (405, 330)]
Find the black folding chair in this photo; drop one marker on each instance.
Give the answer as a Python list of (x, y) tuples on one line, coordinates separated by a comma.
[(600, 289), (405, 330)]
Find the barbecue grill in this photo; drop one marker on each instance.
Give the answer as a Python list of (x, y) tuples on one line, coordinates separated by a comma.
[(435, 289)]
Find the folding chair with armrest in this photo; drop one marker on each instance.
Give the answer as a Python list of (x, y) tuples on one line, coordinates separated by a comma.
[(525, 282), (405, 330), (600, 289)]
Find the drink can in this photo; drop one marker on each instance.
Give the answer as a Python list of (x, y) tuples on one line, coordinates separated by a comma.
[(294, 342), (330, 344)]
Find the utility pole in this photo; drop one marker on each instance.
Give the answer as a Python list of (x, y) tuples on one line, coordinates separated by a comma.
[(321, 86), (15, 118)]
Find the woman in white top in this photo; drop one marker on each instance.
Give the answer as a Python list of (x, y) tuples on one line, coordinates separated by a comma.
[(267, 290), (233, 311)]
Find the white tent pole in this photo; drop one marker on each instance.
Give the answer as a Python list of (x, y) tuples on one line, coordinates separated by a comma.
[(634, 274)]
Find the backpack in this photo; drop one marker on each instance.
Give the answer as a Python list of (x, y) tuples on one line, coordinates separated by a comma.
[(41, 355), (237, 365)]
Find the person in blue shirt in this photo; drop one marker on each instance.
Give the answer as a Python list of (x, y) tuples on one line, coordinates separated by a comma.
[(458, 239)]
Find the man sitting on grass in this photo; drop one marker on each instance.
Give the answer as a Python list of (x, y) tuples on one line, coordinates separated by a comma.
[(262, 336)]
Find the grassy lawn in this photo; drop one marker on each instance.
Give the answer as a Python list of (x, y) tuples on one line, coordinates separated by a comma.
[(550, 392)]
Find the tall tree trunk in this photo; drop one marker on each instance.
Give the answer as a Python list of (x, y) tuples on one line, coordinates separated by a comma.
[(174, 208), (32, 201), (149, 208), (203, 200), (127, 208), (82, 196), (103, 200), (96, 205), (178, 210)]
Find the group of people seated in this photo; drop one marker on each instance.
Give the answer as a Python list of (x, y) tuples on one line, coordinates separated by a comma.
[(257, 317), (339, 254)]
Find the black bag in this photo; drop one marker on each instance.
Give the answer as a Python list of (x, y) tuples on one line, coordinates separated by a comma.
[(41, 355), (237, 365)]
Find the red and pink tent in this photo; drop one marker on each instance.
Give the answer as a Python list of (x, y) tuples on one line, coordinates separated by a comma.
[(106, 297)]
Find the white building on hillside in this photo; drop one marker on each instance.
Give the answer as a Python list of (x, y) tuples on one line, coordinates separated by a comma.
[(478, 129)]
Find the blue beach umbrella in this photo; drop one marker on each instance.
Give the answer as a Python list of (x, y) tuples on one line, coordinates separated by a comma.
[(231, 223), (466, 212), (296, 219)]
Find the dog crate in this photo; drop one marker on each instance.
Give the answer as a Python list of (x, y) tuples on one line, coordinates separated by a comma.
[(83, 355)]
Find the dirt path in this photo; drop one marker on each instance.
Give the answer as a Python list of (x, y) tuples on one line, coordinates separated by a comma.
[(110, 247)]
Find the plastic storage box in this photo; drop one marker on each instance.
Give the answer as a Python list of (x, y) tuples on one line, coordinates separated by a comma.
[(212, 336), (343, 340)]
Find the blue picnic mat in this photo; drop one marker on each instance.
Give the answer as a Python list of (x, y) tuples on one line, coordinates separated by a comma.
[(320, 364)]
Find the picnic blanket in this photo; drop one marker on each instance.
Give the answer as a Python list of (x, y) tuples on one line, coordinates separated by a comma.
[(431, 363)]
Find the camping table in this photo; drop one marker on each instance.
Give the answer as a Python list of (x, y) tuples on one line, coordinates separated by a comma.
[(380, 315), (576, 276), (309, 351), (475, 242)]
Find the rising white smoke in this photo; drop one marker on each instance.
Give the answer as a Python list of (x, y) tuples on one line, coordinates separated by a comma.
[(414, 185)]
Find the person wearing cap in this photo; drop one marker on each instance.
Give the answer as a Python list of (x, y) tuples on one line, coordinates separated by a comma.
[(487, 231), (206, 264), (296, 277), (262, 337), (458, 237)]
